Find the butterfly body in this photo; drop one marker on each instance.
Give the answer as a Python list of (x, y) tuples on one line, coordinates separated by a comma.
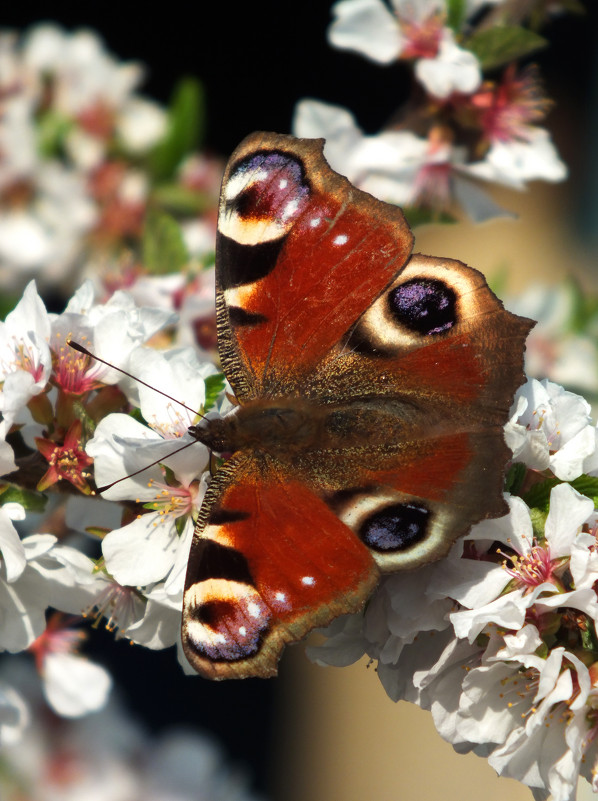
[(372, 390)]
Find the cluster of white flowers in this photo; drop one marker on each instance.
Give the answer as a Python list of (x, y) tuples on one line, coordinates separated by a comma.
[(499, 639), (82, 153), (65, 411), (441, 168)]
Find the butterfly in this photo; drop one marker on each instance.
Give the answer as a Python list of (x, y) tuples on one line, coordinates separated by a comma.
[(372, 389)]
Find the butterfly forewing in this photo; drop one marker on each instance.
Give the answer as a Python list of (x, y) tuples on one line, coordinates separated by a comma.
[(298, 260)]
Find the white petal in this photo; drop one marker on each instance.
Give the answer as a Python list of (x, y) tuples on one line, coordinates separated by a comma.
[(117, 450), (11, 548), (568, 511), (453, 70), (366, 27), (142, 552), (141, 124), (74, 686), (14, 715), (472, 583), (160, 625), (568, 461), (24, 241)]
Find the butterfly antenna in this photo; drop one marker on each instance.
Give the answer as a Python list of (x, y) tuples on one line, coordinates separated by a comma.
[(143, 469), (85, 352)]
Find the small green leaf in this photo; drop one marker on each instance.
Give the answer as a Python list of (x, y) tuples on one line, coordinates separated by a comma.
[(584, 307), (8, 301), (136, 415), (456, 13), (179, 524), (186, 120), (588, 636), (514, 478), (503, 43), (29, 500), (214, 386), (52, 129), (538, 496), (538, 518), (162, 245), (418, 216), (588, 486), (180, 199)]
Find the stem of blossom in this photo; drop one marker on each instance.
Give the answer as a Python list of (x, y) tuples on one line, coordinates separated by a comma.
[(65, 413)]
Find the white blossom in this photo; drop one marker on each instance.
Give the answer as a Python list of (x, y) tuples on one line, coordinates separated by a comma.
[(147, 549), (25, 359), (551, 427), (396, 166)]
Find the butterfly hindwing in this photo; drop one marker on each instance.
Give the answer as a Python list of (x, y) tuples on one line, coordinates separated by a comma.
[(269, 562)]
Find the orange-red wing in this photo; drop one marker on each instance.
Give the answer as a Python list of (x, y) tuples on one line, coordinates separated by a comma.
[(298, 260), (270, 563)]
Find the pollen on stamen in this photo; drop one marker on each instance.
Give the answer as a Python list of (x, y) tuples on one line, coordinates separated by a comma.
[(171, 502), (120, 606), (72, 370)]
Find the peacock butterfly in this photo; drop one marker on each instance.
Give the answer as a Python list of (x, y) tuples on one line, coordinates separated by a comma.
[(373, 386)]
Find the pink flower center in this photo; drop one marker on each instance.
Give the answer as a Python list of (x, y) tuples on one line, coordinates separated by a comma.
[(26, 358), (172, 501), (71, 369), (508, 110), (118, 604), (531, 569), (422, 37)]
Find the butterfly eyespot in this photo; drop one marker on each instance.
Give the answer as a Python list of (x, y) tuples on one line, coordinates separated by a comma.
[(263, 197), (424, 305), (225, 621), (396, 528)]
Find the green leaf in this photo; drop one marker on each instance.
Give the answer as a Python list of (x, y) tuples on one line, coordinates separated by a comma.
[(29, 500), (538, 496), (588, 486), (8, 301), (514, 478), (136, 415), (538, 518), (52, 129), (181, 200), (214, 386), (584, 307), (162, 245), (186, 121), (504, 43), (418, 216), (456, 13)]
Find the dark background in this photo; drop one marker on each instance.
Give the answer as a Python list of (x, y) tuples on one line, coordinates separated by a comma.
[(256, 59)]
